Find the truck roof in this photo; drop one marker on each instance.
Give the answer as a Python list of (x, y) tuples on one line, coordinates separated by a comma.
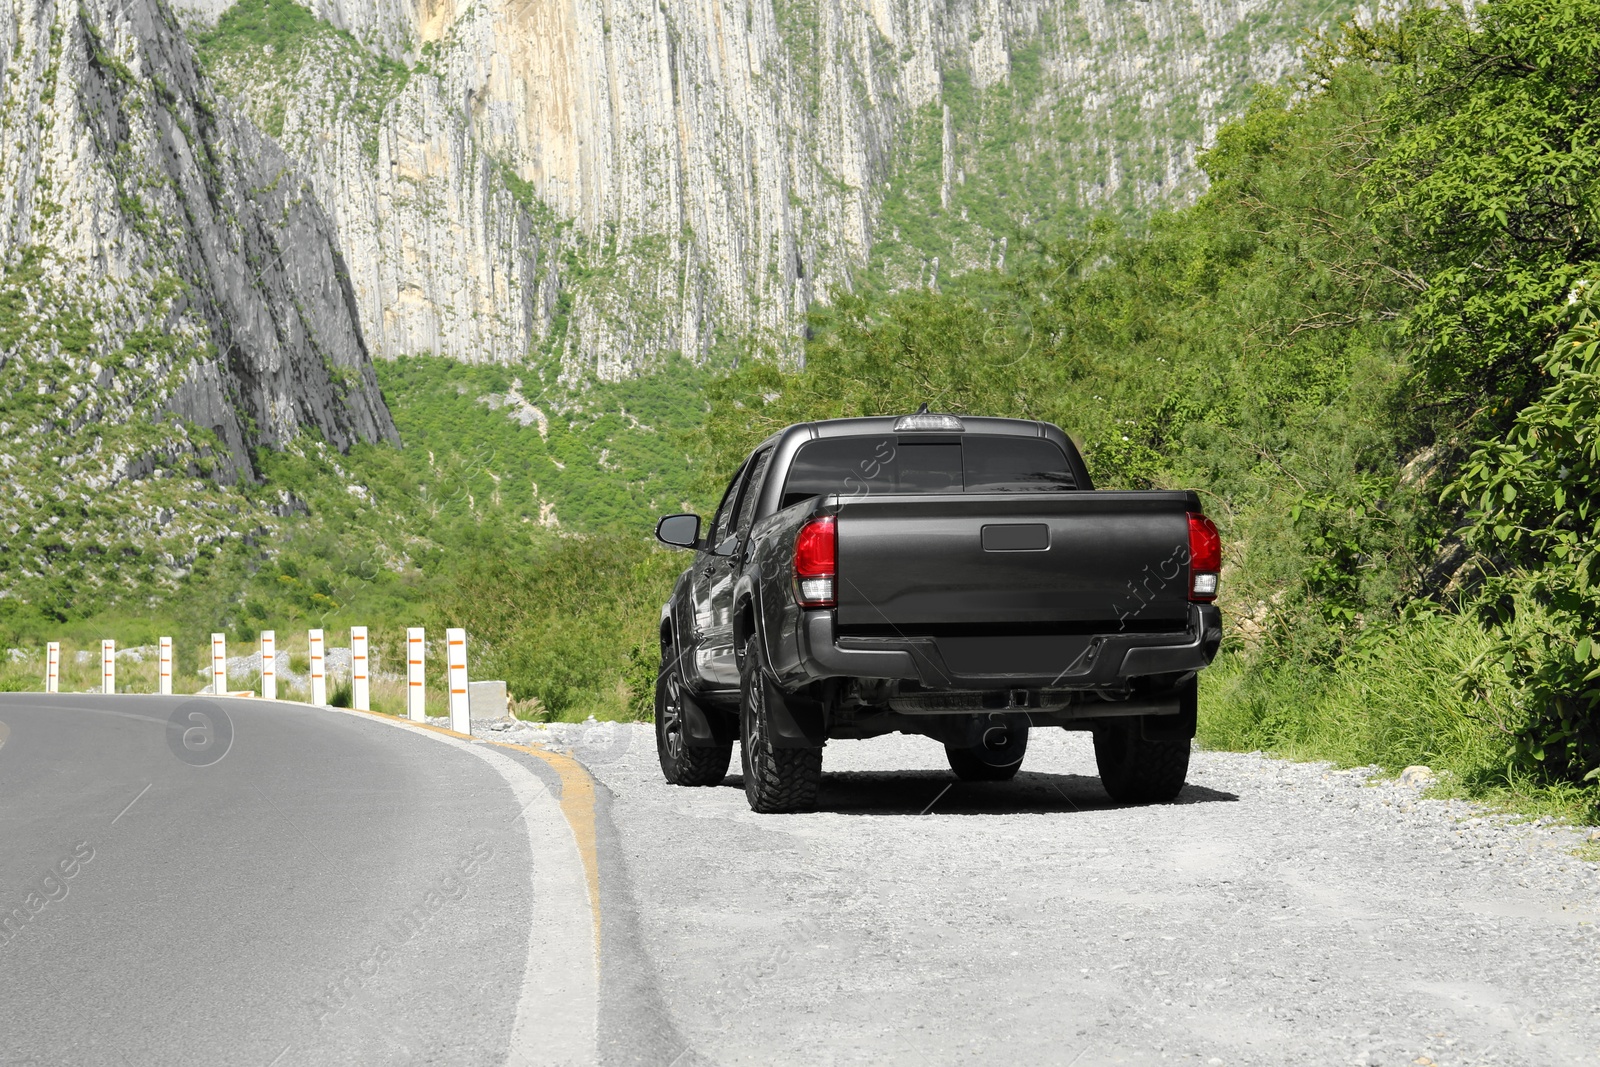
[(873, 425)]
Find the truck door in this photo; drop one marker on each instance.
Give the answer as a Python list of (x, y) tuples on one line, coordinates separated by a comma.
[(721, 661), (713, 572)]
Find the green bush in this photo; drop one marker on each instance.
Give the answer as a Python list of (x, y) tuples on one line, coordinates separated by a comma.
[(1536, 499), (566, 626), (1486, 177)]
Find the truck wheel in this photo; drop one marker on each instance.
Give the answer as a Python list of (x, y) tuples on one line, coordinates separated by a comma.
[(682, 764), (775, 779), (1136, 771), (995, 758)]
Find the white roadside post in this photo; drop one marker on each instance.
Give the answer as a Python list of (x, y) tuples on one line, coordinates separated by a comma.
[(164, 668), (52, 667), (416, 692), (269, 665), (460, 715), (219, 665), (319, 685), (360, 698), (108, 666)]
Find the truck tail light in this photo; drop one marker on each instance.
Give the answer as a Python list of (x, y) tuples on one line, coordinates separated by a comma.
[(1205, 558), (816, 554)]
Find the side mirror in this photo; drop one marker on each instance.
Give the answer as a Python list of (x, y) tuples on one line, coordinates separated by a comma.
[(679, 531)]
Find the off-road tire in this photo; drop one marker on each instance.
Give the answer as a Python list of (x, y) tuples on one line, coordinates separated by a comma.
[(775, 779), (1136, 771), (681, 763), (990, 762)]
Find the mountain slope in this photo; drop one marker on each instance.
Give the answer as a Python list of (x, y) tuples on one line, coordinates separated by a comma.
[(171, 299)]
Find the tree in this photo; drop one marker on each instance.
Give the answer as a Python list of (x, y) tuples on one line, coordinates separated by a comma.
[(1490, 183)]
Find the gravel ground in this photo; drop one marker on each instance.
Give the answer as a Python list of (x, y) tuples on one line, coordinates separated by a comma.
[(336, 665), (1279, 913)]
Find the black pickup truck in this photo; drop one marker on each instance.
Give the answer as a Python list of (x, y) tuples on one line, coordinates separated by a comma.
[(955, 577)]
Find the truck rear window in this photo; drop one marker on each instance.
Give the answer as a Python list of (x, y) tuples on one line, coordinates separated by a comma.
[(862, 466)]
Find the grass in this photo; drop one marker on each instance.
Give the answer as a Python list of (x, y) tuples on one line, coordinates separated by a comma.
[(1409, 694), (80, 670)]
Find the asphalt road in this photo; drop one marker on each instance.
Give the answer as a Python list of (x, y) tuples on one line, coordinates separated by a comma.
[(209, 881)]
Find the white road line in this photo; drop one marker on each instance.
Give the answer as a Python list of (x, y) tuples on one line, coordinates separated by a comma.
[(558, 1007)]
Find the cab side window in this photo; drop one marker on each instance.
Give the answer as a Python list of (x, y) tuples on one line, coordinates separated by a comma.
[(722, 525), (751, 492)]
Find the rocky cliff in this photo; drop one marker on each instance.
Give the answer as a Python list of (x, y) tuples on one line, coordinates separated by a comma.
[(609, 180), (172, 297)]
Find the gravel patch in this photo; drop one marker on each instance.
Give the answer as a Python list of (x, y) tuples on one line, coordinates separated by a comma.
[(1279, 913), (336, 665)]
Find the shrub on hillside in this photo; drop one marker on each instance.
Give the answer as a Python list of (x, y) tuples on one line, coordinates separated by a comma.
[(1536, 499), (564, 625)]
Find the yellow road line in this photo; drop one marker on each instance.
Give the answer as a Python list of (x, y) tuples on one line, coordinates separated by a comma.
[(577, 804)]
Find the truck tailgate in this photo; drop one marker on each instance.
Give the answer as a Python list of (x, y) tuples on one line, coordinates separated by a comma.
[(1072, 562)]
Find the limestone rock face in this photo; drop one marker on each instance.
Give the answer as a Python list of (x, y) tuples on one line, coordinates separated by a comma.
[(147, 208), (610, 180)]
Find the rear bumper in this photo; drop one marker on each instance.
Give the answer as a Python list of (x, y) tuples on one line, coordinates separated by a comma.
[(1077, 662)]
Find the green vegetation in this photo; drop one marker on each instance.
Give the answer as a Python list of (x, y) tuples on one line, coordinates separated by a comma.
[(260, 24), (537, 543), (1535, 512), (76, 537), (576, 629)]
